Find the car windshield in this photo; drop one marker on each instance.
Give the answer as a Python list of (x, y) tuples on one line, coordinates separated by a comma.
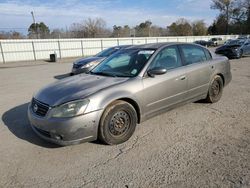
[(126, 63), (107, 52), (235, 42)]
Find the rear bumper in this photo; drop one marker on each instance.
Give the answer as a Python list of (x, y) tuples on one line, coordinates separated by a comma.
[(66, 131)]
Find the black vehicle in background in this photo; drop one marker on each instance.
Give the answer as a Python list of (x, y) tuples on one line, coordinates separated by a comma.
[(235, 48), (84, 65)]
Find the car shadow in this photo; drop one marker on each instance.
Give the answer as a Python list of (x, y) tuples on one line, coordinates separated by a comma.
[(16, 119), (62, 76)]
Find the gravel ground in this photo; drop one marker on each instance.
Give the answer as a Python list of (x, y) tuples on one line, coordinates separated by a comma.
[(196, 145)]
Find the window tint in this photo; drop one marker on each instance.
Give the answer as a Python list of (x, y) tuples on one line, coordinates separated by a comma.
[(168, 58), (119, 61), (107, 52), (125, 63), (193, 54)]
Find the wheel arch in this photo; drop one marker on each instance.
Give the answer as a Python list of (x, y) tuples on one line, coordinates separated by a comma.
[(222, 77), (131, 102)]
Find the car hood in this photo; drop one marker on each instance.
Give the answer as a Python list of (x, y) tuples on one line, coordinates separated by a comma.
[(76, 87), (84, 61)]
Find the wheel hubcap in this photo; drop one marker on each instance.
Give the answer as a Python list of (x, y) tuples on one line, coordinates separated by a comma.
[(119, 123), (215, 89)]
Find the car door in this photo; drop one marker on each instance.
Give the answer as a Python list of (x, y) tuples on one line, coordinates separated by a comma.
[(198, 69), (165, 90)]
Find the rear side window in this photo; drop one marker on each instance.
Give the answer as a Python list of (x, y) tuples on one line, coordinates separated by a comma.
[(193, 54)]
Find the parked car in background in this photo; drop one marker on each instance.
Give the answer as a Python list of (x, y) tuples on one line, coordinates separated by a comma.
[(216, 41), (204, 43), (244, 37), (86, 64), (126, 89), (235, 48)]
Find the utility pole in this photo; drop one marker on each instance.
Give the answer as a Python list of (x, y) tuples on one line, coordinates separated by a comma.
[(35, 24), (33, 17)]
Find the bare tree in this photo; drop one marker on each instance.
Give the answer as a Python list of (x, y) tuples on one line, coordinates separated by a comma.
[(226, 7), (181, 27), (11, 35), (94, 27), (199, 28)]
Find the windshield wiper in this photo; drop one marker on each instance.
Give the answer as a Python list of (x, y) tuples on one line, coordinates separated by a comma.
[(103, 74)]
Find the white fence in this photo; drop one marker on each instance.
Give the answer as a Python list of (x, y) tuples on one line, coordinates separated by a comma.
[(26, 50)]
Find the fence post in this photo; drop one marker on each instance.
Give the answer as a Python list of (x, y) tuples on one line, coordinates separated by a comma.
[(101, 45), (118, 43), (1, 47), (146, 41), (34, 52), (132, 41), (59, 48), (157, 40), (82, 47)]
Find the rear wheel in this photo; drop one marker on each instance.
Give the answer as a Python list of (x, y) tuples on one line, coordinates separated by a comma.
[(215, 90), (118, 123)]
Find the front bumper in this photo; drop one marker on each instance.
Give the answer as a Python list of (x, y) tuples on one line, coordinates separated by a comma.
[(66, 131), (228, 53)]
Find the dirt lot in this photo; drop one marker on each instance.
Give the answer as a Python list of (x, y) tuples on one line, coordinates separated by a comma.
[(196, 145)]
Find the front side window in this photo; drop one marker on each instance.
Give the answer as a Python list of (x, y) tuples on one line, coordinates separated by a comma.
[(168, 58), (125, 63), (193, 54)]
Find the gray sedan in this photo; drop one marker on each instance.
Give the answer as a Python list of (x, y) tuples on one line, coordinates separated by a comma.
[(126, 89)]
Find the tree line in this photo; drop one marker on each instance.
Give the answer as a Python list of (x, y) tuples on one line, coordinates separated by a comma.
[(233, 18)]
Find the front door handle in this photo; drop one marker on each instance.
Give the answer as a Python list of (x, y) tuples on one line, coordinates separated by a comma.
[(183, 78)]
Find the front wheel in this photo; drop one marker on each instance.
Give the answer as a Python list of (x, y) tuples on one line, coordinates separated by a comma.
[(215, 90), (118, 123)]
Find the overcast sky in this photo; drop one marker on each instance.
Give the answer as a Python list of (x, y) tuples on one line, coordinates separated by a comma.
[(62, 13)]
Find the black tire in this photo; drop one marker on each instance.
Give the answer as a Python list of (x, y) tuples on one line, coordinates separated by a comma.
[(215, 90), (71, 74), (117, 123)]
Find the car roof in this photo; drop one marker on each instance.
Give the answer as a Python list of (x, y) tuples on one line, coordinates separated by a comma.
[(155, 46), (122, 46)]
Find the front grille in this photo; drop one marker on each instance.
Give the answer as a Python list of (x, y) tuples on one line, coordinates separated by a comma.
[(39, 108)]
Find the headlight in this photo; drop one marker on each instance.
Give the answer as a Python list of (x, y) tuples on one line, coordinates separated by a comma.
[(93, 63), (70, 109)]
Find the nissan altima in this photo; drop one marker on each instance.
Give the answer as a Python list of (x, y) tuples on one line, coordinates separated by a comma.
[(126, 89)]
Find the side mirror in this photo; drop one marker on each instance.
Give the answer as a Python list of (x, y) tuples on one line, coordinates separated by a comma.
[(156, 71)]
